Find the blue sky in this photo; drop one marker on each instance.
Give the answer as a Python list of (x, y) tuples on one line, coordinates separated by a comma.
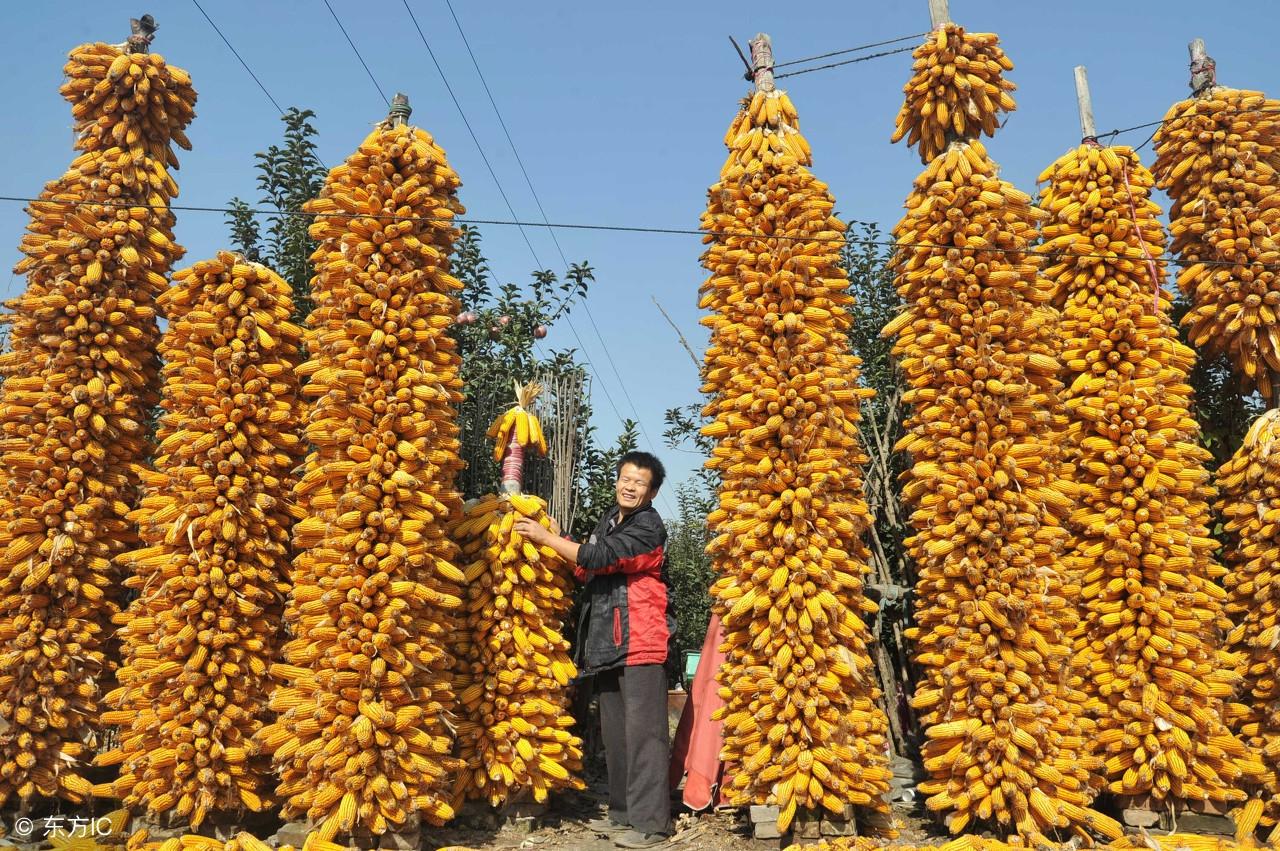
[(618, 109)]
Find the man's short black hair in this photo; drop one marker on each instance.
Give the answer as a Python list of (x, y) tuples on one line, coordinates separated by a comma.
[(645, 461)]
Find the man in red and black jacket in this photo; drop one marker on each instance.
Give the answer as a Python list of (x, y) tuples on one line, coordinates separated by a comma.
[(624, 635)]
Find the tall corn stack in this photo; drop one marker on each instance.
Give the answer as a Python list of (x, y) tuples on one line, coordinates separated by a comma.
[(1218, 158), (362, 739), (211, 576), (1250, 505), (513, 664), (802, 723), (79, 381), (1152, 616), (1001, 705)]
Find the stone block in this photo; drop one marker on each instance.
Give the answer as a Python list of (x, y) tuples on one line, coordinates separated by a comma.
[(765, 830), (1139, 817), (1214, 825), (760, 813)]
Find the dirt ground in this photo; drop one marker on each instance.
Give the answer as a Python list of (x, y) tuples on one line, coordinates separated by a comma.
[(563, 829)]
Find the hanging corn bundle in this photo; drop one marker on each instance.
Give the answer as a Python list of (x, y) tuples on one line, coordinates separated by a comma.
[(1250, 506), (215, 524), (802, 722), (1152, 615), (514, 664), (79, 381), (1217, 158), (957, 90), (1000, 704), (362, 737)]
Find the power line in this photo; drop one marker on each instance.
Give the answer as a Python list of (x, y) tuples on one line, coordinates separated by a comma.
[(337, 21), (849, 50), (471, 131), (604, 347), (474, 138), (236, 53), (720, 234), (845, 62)]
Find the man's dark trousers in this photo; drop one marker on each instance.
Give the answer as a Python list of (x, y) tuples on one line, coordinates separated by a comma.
[(633, 723)]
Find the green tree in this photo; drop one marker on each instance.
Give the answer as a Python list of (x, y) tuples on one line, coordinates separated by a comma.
[(289, 175), (689, 566), (497, 336)]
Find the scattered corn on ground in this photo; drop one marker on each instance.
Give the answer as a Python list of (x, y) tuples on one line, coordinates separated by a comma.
[(1152, 621), (802, 724), (1249, 486), (957, 90), (1217, 158), (80, 378), (1000, 704), (211, 576), (513, 664), (1139, 842), (362, 737)]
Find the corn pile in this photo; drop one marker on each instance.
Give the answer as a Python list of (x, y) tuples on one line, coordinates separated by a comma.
[(1000, 706), (957, 90), (215, 523), (79, 381), (1152, 615), (191, 842), (1250, 506), (514, 665), (362, 736), (1217, 158), (802, 722)]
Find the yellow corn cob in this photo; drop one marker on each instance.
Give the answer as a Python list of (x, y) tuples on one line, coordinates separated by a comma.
[(788, 546), (211, 574), (1248, 496), (1130, 519), (976, 344), (80, 379), (1217, 159), (376, 598), (957, 90), (513, 663)]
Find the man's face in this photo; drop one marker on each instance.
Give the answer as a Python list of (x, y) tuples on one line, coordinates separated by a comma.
[(633, 487)]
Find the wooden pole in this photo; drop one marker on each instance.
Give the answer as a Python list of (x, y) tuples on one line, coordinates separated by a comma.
[(762, 62), (1203, 68), (938, 13), (1088, 132)]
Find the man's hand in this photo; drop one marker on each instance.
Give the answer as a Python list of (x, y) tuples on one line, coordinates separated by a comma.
[(533, 532)]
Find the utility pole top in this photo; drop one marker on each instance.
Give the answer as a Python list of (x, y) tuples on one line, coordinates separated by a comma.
[(1088, 132), (762, 62), (939, 15), (1203, 69)]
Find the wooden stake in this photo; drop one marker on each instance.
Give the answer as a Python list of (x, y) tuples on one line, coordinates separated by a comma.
[(1203, 69), (938, 13), (1088, 132), (762, 62), (400, 110)]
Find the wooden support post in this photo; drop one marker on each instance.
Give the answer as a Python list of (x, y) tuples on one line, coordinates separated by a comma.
[(1203, 69), (1088, 132), (762, 62), (939, 15), (400, 110)]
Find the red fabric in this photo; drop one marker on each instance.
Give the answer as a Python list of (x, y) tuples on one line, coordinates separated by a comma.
[(695, 753), (647, 615)]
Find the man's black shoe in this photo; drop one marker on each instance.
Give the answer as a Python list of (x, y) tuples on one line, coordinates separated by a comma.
[(636, 839)]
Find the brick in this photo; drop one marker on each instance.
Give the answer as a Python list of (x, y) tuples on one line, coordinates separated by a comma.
[(760, 813), (765, 830), (839, 827), (1137, 817), (1200, 823)]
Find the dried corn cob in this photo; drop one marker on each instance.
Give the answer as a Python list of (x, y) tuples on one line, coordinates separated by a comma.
[(362, 736), (1152, 615), (1250, 506), (956, 91), (1218, 159), (79, 382), (1000, 704), (514, 666), (215, 526), (802, 722)]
